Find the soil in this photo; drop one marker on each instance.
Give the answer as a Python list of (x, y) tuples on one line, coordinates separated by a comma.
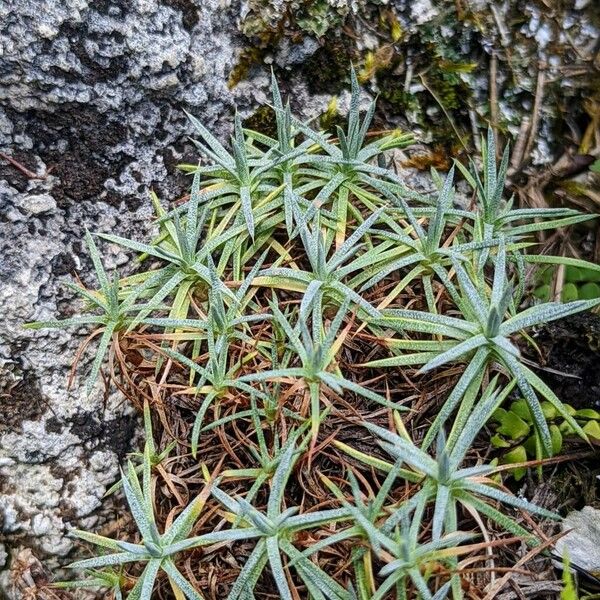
[(571, 348), (24, 401)]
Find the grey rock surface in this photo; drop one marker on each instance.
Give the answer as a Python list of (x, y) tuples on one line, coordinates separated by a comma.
[(582, 542), (97, 89), (59, 449)]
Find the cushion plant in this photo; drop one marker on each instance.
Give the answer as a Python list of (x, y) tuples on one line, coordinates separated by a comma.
[(297, 259)]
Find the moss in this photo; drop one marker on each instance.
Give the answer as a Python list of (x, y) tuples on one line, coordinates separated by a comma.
[(326, 71), (264, 36), (393, 94), (313, 17), (262, 120), (331, 119), (262, 23), (318, 17), (448, 88), (443, 82), (442, 62), (247, 58)]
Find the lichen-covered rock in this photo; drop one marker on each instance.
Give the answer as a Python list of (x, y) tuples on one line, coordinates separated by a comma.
[(437, 65), (582, 540), (59, 449), (79, 78)]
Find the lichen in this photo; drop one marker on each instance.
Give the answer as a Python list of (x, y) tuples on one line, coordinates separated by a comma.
[(431, 61), (315, 17)]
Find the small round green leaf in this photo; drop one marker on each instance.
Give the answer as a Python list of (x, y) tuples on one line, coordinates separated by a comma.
[(587, 413), (590, 274), (556, 437), (573, 274), (566, 429), (498, 441), (569, 293), (513, 426), (592, 428), (542, 292), (516, 455), (589, 291), (549, 410), (545, 275), (498, 415), (521, 409)]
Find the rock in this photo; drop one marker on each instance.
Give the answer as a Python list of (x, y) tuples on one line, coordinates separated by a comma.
[(98, 88), (37, 203), (423, 11), (92, 97), (59, 449), (583, 542)]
